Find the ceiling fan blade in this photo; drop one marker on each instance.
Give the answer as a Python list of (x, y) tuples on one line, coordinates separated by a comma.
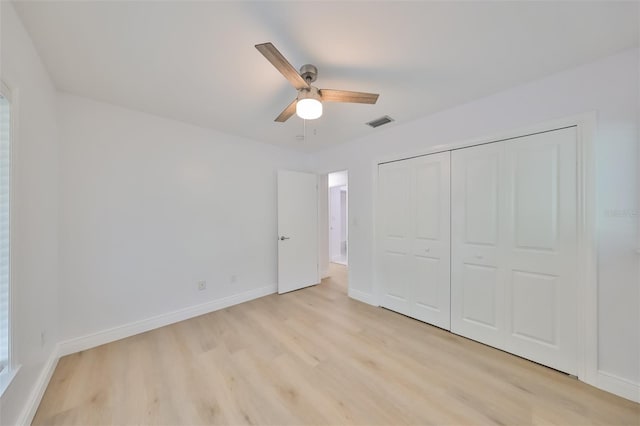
[(288, 112), (274, 56), (330, 95)]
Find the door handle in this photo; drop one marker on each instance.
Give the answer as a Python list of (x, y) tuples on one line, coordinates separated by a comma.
[(284, 238)]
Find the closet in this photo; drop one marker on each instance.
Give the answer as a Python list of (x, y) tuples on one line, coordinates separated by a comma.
[(482, 241)]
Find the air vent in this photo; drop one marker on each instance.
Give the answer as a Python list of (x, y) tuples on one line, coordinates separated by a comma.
[(380, 121)]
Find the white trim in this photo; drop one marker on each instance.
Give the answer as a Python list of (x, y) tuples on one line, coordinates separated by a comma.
[(323, 267), (375, 288), (363, 296), (586, 123), (12, 94), (14, 219), (31, 406), (319, 272), (120, 332), (617, 385), (587, 257), (588, 118), (6, 377)]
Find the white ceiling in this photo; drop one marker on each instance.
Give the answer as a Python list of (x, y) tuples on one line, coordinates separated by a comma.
[(196, 61)]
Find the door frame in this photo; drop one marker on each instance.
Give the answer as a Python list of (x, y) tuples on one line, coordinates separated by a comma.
[(587, 297)]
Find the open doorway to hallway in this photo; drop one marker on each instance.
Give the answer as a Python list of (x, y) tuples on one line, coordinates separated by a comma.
[(337, 248), (337, 217)]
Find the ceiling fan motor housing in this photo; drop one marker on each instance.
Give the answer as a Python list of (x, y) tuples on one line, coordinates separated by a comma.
[(309, 73), (311, 93)]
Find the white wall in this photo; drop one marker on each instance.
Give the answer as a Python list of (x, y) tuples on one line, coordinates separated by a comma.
[(610, 87), (338, 179), (34, 211), (150, 206)]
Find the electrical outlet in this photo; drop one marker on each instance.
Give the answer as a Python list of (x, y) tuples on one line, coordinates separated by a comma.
[(233, 279), (43, 338), (202, 285)]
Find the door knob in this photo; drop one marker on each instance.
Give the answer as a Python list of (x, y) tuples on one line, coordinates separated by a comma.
[(283, 238)]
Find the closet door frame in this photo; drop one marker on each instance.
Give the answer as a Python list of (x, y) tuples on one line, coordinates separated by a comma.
[(586, 274)]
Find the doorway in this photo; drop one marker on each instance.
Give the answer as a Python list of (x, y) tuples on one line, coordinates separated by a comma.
[(337, 217), (336, 230)]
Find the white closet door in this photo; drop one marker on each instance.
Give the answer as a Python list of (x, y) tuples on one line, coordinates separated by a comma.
[(477, 240), (414, 238), (514, 246), (394, 239), (431, 255), (541, 248)]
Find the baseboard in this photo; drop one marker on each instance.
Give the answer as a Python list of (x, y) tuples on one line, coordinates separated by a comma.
[(32, 404), (363, 296), (116, 333), (618, 386)]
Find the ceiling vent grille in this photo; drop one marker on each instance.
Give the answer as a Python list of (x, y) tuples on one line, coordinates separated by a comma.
[(380, 121)]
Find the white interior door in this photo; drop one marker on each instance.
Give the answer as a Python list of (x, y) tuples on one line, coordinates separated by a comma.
[(297, 230), (414, 238), (514, 246)]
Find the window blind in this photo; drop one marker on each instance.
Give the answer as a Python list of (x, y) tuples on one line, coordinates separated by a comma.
[(4, 229)]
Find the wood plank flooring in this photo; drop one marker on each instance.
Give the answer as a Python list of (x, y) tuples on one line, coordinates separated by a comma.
[(315, 356)]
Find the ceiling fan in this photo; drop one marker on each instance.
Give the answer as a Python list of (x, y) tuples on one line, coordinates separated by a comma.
[(308, 103)]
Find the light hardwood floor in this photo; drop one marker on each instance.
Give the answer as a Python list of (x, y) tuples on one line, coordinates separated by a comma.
[(314, 356)]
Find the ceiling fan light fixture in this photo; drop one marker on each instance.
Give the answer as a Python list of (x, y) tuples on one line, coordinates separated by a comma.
[(309, 106), (309, 109)]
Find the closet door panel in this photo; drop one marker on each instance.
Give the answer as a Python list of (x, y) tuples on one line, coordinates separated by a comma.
[(535, 196), (394, 235), (431, 245), (480, 195), (534, 307), (541, 249), (427, 292), (479, 295), (429, 196), (477, 277)]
